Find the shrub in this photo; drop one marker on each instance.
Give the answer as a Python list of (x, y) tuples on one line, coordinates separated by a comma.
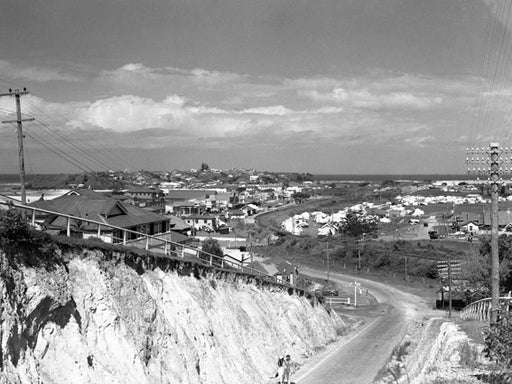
[(498, 348)]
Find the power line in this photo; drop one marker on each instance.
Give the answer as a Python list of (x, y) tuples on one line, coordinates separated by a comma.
[(107, 157), (19, 123), (52, 148), (72, 144)]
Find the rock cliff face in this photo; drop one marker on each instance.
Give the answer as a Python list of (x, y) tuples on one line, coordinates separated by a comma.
[(88, 320)]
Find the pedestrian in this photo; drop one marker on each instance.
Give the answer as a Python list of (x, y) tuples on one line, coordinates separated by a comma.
[(280, 370), (289, 369)]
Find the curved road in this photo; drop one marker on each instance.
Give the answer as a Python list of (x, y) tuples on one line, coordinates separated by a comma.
[(361, 355)]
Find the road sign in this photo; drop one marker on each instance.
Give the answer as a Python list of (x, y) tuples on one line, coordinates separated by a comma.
[(356, 285), (445, 267)]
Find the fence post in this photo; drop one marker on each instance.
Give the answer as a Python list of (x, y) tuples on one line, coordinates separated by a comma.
[(165, 248), (68, 227), (99, 231), (211, 260), (147, 242), (124, 236), (33, 217)]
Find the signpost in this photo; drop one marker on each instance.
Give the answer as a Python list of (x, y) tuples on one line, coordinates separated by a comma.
[(447, 269), (356, 285)]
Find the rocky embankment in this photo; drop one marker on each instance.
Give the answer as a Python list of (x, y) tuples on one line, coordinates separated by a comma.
[(89, 320)]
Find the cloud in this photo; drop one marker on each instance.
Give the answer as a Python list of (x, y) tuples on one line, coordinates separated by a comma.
[(368, 99), (136, 72), (37, 74), (169, 107)]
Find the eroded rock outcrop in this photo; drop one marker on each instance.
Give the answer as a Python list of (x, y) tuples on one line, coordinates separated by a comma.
[(89, 320)]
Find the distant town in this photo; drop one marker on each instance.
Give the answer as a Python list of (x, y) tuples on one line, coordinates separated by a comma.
[(208, 201)]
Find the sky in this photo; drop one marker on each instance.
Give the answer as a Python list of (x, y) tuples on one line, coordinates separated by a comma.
[(324, 86)]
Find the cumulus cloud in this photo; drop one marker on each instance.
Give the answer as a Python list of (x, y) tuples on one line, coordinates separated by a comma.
[(37, 74), (365, 98), (134, 72), (214, 109)]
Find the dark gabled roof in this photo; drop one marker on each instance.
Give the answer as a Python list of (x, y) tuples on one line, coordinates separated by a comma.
[(504, 217), (179, 238), (97, 207), (202, 217), (188, 194), (177, 224), (478, 208), (141, 190), (236, 212), (136, 216), (475, 222)]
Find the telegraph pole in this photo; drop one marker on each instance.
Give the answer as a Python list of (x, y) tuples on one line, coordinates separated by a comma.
[(492, 168), (17, 95), (328, 262)]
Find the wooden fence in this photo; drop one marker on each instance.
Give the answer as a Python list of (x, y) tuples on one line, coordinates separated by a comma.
[(481, 309), (153, 243), (330, 300)]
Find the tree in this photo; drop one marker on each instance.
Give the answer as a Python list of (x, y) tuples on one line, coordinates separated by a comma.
[(212, 246), (498, 348), (205, 167), (14, 231), (299, 197), (477, 270), (356, 224)]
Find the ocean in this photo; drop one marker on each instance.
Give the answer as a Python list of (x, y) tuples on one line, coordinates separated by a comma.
[(13, 180), (396, 177)]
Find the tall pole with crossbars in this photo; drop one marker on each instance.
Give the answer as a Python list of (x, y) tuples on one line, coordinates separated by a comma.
[(488, 162), (19, 123)]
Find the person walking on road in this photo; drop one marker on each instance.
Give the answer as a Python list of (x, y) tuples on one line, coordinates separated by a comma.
[(280, 370), (289, 369)]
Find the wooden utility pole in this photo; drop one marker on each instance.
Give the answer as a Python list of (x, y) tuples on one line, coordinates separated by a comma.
[(17, 94), (491, 167), (328, 263), (449, 289), (495, 261)]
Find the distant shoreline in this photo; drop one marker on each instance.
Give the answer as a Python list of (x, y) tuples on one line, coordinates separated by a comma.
[(14, 177)]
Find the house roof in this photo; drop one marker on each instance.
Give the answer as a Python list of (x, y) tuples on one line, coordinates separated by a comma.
[(188, 194), (136, 216), (95, 206), (236, 212), (177, 224), (178, 237), (504, 217), (474, 222), (84, 192), (141, 190), (201, 217)]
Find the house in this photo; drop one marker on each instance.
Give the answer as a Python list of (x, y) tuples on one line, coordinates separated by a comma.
[(236, 214), (200, 222), (191, 201), (151, 199), (471, 227), (178, 225), (94, 206), (504, 219)]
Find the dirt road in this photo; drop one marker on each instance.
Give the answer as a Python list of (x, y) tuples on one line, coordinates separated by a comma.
[(359, 356)]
